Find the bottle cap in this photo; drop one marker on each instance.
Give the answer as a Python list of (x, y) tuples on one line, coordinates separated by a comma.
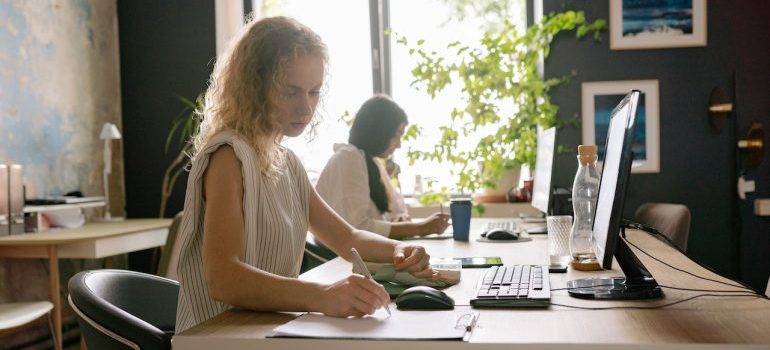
[(587, 150), (587, 154)]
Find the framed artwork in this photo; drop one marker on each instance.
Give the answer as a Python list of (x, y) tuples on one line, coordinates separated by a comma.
[(599, 98), (649, 24)]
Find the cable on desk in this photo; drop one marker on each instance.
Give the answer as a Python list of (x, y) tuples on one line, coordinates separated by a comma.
[(710, 290), (669, 287), (654, 232), (656, 306)]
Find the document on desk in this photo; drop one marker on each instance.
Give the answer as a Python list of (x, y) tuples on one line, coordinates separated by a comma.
[(401, 325)]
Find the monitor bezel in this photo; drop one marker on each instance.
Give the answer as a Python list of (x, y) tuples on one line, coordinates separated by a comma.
[(608, 247)]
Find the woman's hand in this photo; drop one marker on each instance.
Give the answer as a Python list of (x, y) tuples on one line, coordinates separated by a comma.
[(414, 260), (355, 295), (435, 223)]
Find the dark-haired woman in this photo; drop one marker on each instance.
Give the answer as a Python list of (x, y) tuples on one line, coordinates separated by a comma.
[(355, 183)]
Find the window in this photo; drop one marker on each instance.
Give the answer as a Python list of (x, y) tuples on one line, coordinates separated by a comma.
[(350, 70), (444, 24), (438, 22)]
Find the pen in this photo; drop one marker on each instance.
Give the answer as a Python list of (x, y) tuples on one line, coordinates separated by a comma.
[(361, 266), (469, 327)]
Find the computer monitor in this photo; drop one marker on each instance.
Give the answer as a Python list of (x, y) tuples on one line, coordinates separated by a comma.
[(638, 282), (541, 189)]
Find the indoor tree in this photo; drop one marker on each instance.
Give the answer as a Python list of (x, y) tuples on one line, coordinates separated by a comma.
[(505, 96)]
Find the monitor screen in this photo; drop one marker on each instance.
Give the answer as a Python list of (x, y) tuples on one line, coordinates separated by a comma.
[(541, 190), (614, 178), (638, 282)]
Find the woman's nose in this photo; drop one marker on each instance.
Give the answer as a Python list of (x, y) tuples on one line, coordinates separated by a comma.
[(305, 104)]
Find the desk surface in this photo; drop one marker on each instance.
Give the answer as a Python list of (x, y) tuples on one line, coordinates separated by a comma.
[(94, 240), (698, 323), (88, 231)]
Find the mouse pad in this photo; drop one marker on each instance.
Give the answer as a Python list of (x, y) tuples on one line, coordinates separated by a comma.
[(432, 236), (521, 239)]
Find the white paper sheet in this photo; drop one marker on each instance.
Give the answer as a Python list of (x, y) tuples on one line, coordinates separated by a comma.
[(410, 325)]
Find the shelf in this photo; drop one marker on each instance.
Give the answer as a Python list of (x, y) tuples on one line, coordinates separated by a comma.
[(39, 208)]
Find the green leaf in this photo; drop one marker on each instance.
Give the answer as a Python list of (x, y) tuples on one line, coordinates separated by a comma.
[(504, 98)]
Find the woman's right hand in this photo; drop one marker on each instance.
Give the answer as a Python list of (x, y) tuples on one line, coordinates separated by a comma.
[(435, 223), (355, 295)]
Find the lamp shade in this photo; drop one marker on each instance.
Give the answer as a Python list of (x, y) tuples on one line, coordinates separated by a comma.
[(109, 132)]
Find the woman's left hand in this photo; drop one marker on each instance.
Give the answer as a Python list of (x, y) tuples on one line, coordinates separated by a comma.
[(413, 259)]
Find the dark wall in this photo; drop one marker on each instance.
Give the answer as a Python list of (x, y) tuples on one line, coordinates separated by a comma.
[(749, 25), (167, 51), (697, 165)]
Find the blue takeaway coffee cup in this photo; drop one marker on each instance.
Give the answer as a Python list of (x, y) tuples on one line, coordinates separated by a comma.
[(460, 209)]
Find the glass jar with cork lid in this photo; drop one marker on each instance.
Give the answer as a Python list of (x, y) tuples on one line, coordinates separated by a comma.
[(584, 195)]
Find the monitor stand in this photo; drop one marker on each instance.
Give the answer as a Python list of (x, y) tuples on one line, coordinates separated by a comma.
[(534, 219), (537, 230), (638, 283)]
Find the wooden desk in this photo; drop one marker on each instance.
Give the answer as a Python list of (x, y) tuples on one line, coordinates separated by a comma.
[(94, 240), (709, 322)]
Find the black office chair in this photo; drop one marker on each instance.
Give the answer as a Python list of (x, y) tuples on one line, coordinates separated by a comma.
[(672, 220), (315, 254), (119, 309)]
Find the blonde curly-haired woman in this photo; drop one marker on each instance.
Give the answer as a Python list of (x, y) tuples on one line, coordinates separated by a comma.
[(249, 203)]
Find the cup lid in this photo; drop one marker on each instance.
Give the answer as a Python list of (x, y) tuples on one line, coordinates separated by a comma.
[(461, 200)]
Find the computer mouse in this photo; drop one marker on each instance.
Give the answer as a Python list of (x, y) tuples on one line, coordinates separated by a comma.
[(424, 298), (498, 234)]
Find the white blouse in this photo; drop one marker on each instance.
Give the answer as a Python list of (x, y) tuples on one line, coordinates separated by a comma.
[(276, 213), (344, 185)]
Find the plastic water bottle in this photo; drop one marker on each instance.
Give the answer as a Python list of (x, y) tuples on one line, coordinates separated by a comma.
[(584, 195)]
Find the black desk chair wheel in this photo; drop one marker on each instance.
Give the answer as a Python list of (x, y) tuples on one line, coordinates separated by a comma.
[(119, 309)]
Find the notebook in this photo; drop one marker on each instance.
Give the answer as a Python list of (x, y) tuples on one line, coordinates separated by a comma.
[(401, 325)]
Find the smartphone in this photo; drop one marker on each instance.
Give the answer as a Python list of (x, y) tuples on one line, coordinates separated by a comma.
[(557, 268), (481, 262)]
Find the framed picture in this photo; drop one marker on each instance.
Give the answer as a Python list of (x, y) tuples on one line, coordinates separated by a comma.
[(649, 24), (599, 98)]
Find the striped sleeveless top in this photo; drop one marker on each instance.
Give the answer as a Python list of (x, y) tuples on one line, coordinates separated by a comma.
[(275, 225)]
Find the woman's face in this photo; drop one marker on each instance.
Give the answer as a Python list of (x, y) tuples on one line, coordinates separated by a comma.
[(300, 95), (395, 142)]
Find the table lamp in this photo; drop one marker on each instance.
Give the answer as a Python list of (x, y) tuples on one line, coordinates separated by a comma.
[(109, 132)]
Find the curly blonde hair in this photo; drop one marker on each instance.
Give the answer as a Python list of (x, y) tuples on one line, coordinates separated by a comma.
[(247, 81)]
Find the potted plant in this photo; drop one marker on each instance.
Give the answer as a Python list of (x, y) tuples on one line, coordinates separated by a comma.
[(184, 127), (505, 97)]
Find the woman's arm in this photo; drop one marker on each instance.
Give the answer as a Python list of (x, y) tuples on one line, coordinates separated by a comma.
[(338, 235), (232, 281), (435, 223)]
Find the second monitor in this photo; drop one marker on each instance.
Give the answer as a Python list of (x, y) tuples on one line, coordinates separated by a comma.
[(546, 198)]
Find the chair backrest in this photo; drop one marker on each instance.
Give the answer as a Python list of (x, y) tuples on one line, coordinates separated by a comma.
[(16, 314), (119, 309), (169, 256), (672, 220), (315, 253)]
